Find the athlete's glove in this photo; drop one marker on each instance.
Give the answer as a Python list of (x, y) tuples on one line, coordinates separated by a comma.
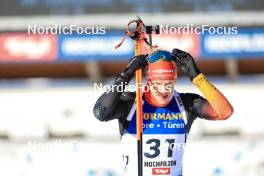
[(186, 62), (135, 63)]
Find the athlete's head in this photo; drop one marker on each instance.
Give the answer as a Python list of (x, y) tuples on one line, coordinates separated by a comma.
[(161, 76)]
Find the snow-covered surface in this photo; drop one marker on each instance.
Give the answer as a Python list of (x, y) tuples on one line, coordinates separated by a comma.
[(203, 157)]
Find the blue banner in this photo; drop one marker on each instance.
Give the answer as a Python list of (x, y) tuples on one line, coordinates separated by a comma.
[(246, 43), (76, 47)]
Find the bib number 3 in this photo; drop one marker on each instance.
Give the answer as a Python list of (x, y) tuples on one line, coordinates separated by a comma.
[(154, 149)]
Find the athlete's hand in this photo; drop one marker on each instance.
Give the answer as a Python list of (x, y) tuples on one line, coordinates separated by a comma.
[(135, 63), (186, 62)]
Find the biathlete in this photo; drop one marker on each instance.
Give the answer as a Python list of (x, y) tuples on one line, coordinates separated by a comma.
[(167, 114)]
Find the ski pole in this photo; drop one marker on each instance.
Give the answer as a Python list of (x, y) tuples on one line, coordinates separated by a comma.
[(138, 36), (139, 111)]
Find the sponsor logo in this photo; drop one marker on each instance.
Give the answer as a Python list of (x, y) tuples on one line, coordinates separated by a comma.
[(23, 47), (186, 42), (83, 46), (160, 171), (160, 71), (162, 116)]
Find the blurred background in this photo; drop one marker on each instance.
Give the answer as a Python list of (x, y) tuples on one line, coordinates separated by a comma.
[(47, 83)]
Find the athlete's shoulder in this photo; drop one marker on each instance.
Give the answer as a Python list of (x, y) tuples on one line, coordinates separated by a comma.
[(192, 100), (189, 96)]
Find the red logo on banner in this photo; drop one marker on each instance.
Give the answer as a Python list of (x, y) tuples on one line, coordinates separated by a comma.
[(25, 47), (187, 42), (160, 171)]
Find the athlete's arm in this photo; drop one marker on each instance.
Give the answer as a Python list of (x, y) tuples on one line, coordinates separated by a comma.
[(215, 106), (116, 104)]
